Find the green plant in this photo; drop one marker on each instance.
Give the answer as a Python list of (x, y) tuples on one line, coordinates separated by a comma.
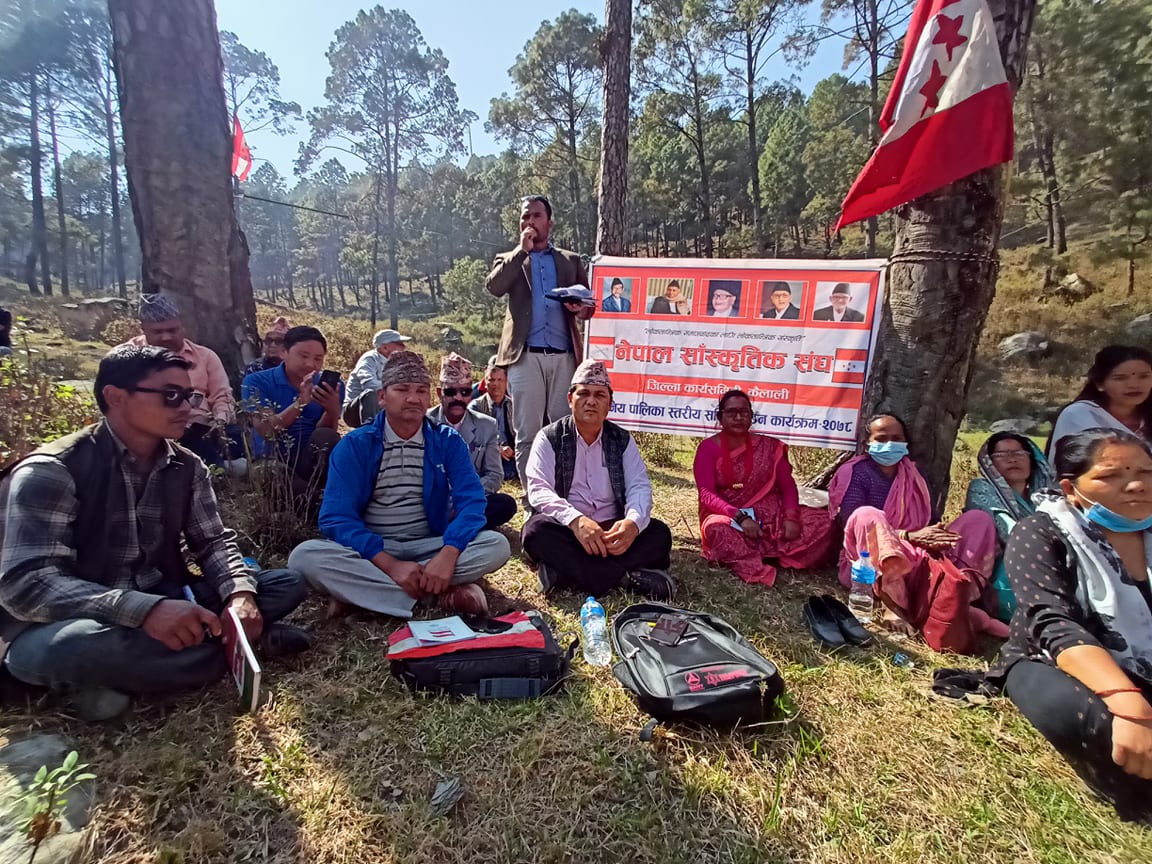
[(43, 802), (36, 409)]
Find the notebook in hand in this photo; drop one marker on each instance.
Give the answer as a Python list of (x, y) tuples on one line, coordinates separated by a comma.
[(244, 665), (572, 294)]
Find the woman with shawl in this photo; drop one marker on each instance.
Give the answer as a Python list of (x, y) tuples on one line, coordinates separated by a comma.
[(1012, 470), (882, 502), (750, 507), (1078, 663)]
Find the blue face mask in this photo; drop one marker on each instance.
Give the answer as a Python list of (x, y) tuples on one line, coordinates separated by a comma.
[(888, 452), (1110, 520)]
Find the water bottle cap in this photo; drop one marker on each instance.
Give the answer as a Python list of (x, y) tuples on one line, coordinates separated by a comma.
[(865, 554), (590, 599)]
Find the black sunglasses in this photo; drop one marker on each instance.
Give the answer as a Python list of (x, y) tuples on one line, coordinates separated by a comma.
[(173, 396), (456, 391)]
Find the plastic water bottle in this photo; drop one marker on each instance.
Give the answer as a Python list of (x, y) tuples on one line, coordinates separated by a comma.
[(597, 650), (860, 597)]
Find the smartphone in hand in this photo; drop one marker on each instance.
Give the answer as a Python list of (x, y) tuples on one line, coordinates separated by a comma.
[(330, 378)]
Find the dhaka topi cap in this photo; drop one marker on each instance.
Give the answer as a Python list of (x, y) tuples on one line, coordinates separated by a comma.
[(781, 286), (842, 288), (593, 373), (455, 371), (384, 337), (156, 307), (404, 367), (279, 327)]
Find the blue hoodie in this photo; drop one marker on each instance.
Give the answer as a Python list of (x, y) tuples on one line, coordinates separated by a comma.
[(449, 480)]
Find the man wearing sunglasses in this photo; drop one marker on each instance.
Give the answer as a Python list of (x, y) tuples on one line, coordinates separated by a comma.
[(273, 345), (211, 432), (479, 432), (93, 575)]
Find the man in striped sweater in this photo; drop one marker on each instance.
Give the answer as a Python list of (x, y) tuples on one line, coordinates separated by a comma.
[(403, 511)]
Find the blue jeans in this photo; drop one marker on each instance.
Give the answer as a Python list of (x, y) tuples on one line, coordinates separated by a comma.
[(82, 652)]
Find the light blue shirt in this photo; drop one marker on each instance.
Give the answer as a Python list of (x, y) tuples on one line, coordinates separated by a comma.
[(549, 324)]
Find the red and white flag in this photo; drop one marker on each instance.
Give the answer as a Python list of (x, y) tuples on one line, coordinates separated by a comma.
[(849, 366), (240, 151), (949, 112)]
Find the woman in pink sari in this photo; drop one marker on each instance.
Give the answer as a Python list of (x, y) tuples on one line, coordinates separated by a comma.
[(744, 479), (882, 502)]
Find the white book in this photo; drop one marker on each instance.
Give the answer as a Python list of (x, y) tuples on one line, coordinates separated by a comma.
[(440, 631)]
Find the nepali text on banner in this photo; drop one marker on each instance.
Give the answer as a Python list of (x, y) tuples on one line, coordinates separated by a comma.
[(796, 336)]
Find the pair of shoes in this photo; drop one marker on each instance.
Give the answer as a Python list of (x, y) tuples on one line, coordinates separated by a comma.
[(652, 583), (832, 624), (546, 578), (464, 600), (99, 704), (283, 640)]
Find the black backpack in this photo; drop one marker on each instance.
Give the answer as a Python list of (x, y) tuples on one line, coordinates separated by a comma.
[(491, 673), (712, 676)]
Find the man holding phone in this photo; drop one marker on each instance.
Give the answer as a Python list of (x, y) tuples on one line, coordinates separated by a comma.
[(297, 408), (541, 343)]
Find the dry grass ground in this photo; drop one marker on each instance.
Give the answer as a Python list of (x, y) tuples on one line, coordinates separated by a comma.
[(341, 766)]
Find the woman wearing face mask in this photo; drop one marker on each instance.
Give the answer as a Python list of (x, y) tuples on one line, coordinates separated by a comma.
[(1078, 664), (749, 505), (1012, 470), (882, 502), (1117, 395)]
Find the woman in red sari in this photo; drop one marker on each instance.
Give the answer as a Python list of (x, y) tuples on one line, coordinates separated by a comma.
[(743, 479)]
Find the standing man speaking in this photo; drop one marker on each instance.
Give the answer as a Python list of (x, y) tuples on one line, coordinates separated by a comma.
[(541, 343)]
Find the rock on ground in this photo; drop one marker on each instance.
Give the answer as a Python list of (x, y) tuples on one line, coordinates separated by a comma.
[(1029, 345)]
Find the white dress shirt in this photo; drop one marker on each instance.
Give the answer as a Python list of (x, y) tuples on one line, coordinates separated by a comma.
[(591, 492)]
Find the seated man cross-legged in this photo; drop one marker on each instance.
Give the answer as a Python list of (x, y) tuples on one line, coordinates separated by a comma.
[(92, 574), (593, 528), (403, 511), (479, 432)]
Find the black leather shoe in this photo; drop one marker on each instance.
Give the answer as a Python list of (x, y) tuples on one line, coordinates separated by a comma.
[(652, 583), (822, 624), (848, 623), (283, 640)]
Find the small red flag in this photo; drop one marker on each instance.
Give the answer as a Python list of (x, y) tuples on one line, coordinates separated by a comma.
[(949, 112), (240, 151)]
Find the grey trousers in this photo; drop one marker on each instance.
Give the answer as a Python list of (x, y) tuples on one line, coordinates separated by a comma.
[(341, 572), (539, 384), (363, 409)]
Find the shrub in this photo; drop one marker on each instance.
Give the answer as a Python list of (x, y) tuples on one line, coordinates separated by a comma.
[(36, 409)]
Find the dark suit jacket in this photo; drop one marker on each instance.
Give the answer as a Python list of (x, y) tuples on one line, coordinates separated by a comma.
[(511, 276), (611, 304), (790, 314), (661, 306), (850, 314)]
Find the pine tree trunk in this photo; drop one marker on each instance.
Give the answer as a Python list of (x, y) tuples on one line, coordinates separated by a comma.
[(942, 278), (114, 186), (616, 61), (178, 155), (39, 222), (58, 191), (753, 143)]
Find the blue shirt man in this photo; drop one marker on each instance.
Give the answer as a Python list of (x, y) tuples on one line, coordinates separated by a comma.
[(549, 326)]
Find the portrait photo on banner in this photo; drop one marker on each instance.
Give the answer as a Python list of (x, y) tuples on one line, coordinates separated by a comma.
[(670, 296), (725, 298), (846, 302), (782, 301), (616, 294)]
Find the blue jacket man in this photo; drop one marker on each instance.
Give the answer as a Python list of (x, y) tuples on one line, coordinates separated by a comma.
[(403, 510)]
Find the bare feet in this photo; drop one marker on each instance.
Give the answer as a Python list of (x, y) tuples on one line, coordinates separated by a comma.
[(894, 623), (338, 609), (464, 600)]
